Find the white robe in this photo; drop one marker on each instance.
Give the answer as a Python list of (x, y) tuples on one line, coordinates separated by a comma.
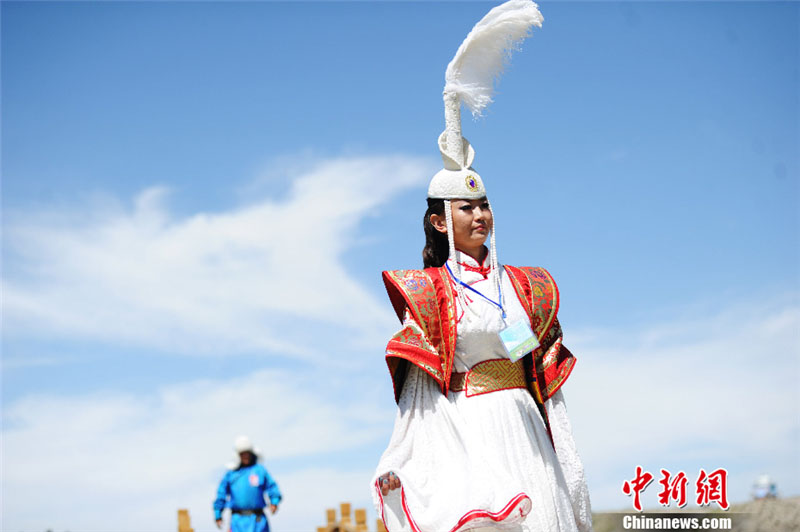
[(481, 462)]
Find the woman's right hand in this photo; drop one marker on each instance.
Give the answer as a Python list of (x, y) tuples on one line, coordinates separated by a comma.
[(388, 482)]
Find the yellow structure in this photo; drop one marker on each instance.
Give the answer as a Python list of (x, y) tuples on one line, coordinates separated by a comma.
[(346, 522), (184, 523)]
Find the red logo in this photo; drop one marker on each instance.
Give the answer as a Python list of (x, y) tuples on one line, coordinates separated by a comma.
[(254, 480), (673, 490), (637, 486), (711, 487)]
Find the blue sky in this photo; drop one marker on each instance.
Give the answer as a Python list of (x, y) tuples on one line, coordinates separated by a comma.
[(198, 199)]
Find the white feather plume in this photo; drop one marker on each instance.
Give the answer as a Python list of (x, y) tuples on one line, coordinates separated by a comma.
[(483, 54)]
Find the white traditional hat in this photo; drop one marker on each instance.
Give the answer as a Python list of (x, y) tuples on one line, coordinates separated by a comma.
[(470, 78)]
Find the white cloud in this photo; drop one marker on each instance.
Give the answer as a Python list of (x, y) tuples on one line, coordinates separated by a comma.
[(126, 463), (209, 282), (705, 392), (713, 390), (244, 279)]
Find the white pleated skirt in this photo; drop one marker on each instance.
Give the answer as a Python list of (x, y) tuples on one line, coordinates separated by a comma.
[(473, 463)]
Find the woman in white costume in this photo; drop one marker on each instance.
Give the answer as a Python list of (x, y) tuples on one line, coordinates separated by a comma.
[(482, 439)]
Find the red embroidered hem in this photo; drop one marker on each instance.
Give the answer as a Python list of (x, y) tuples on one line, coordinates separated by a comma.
[(519, 506)]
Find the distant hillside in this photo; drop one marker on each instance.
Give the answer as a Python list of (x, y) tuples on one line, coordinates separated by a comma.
[(767, 515)]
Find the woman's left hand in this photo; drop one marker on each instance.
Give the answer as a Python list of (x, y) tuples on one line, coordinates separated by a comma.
[(388, 482)]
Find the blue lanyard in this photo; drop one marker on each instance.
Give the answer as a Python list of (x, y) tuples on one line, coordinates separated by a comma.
[(465, 285)]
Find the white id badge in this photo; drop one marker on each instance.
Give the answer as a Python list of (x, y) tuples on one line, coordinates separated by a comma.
[(518, 340)]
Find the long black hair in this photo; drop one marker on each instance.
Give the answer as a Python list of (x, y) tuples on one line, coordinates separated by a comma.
[(436, 249)]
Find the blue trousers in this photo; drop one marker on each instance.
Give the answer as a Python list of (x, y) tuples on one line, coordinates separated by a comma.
[(249, 523)]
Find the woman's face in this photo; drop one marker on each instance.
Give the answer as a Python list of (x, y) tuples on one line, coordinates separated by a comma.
[(472, 222)]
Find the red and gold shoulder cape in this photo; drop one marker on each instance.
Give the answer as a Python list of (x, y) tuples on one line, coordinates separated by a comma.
[(428, 338)]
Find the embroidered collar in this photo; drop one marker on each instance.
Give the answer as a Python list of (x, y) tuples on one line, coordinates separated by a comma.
[(471, 265)]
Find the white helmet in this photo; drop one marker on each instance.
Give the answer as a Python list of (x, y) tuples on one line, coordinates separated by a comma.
[(242, 444)]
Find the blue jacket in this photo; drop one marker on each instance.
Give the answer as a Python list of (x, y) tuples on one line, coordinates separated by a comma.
[(245, 487)]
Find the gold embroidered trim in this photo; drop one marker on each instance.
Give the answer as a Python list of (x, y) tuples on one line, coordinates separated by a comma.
[(559, 380), (489, 376)]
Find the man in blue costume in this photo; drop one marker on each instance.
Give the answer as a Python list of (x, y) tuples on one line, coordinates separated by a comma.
[(243, 489)]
